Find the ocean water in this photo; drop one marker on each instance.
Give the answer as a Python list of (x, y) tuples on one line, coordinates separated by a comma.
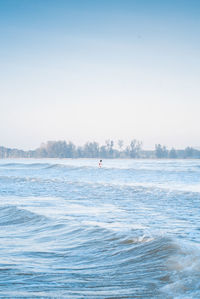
[(71, 230)]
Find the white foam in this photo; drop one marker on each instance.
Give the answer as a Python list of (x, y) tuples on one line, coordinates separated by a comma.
[(115, 226), (184, 269)]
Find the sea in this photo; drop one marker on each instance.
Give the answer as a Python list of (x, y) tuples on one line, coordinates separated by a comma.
[(69, 229)]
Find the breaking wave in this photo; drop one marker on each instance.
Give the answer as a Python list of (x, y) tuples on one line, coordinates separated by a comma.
[(76, 231)]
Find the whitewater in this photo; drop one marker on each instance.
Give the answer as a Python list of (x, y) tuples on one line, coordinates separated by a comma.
[(69, 229)]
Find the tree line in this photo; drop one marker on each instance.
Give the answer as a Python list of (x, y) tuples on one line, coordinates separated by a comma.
[(64, 149)]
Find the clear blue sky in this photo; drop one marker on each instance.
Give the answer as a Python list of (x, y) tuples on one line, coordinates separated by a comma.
[(93, 70)]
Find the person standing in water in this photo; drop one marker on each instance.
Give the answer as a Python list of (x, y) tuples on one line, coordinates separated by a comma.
[(100, 163)]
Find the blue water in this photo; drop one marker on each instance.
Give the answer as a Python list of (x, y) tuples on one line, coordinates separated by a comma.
[(71, 230)]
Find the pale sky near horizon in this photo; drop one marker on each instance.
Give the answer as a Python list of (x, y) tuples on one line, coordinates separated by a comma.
[(97, 70)]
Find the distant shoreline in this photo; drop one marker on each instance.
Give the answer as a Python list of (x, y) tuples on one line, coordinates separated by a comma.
[(63, 149)]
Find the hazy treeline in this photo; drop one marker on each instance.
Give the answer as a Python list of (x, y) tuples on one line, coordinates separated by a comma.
[(63, 149)]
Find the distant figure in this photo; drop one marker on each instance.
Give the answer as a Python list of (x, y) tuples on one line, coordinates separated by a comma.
[(100, 163)]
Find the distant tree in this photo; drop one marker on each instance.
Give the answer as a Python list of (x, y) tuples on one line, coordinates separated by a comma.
[(70, 150), (135, 148), (91, 150), (63, 149), (107, 142), (161, 151), (56, 149), (172, 154), (40, 152), (109, 148), (79, 152), (103, 151), (190, 152), (180, 154), (59, 149), (120, 144), (111, 151)]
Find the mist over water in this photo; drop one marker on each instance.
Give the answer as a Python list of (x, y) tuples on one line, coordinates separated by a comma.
[(71, 230)]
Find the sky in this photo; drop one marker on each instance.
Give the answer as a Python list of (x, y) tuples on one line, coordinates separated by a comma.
[(100, 69)]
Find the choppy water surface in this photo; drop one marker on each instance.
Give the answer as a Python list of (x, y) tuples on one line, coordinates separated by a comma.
[(71, 230)]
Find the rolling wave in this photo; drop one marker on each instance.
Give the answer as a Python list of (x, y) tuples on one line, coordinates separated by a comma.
[(24, 165), (11, 215), (76, 231), (135, 167), (84, 182), (118, 265)]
